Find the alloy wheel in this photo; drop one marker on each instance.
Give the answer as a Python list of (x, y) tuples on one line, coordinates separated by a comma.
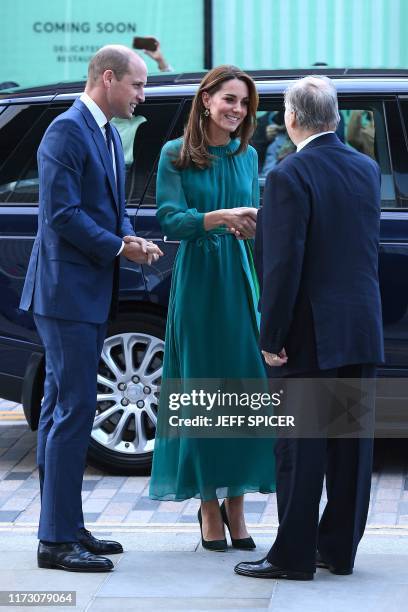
[(129, 380)]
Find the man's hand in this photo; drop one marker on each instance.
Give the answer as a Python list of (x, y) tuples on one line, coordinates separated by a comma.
[(140, 250), (275, 360), (241, 221)]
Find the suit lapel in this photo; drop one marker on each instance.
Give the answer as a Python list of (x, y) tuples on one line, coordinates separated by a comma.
[(107, 162), (120, 167), (102, 148)]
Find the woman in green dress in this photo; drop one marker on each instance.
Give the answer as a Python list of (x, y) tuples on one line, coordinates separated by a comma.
[(207, 197)]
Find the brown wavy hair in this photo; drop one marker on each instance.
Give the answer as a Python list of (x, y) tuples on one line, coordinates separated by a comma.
[(194, 150)]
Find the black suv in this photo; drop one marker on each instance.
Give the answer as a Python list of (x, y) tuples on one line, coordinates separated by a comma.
[(374, 119)]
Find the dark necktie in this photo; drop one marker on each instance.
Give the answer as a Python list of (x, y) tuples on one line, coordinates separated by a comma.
[(108, 132)]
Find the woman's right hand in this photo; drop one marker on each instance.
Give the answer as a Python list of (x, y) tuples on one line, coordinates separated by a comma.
[(241, 221)]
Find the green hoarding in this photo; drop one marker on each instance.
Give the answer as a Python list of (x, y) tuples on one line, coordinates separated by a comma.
[(45, 41), (279, 34)]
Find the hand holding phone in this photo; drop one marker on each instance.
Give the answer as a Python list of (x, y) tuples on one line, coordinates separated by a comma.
[(148, 43)]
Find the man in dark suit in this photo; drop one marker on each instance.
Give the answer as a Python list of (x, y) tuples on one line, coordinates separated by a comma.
[(320, 318), (71, 286)]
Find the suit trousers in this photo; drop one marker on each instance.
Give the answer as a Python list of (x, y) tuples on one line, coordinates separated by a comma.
[(72, 352), (302, 464)]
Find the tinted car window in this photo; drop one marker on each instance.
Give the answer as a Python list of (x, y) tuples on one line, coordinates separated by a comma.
[(361, 126), (398, 135), (21, 130), (176, 131), (143, 137)]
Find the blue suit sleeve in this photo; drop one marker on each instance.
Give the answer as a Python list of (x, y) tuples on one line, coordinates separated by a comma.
[(285, 217), (177, 220), (126, 228), (62, 161)]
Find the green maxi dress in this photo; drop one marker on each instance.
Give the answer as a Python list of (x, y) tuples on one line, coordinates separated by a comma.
[(212, 324)]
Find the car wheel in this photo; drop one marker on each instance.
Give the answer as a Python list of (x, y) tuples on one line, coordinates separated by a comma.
[(129, 379)]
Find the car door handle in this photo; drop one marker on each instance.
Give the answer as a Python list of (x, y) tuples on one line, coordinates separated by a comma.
[(165, 239)]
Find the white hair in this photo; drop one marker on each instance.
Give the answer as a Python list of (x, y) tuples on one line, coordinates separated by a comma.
[(314, 101)]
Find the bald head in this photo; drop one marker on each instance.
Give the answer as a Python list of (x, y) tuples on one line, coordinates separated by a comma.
[(313, 100), (112, 57)]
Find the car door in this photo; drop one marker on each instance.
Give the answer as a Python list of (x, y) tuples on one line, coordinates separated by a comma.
[(123, 433), (22, 125), (371, 125), (392, 388), (394, 242)]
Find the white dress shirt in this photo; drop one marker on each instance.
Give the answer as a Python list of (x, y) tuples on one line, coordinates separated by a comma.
[(310, 138), (101, 120)]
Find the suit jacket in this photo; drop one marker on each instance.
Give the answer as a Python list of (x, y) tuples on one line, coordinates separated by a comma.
[(82, 218), (317, 257)]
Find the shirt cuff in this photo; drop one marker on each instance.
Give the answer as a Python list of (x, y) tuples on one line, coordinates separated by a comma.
[(121, 249)]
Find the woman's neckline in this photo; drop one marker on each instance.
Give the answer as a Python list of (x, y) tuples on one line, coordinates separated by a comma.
[(222, 147)]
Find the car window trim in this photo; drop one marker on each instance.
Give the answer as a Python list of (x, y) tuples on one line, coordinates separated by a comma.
[(401, 115), (399, 198)]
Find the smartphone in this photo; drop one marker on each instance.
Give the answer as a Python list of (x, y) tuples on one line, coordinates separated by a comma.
[(145, 42)]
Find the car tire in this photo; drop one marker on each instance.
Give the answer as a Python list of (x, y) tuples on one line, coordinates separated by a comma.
[(129, 379)]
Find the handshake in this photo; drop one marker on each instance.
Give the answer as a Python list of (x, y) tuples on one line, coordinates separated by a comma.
[(241, 221), (140, 250)]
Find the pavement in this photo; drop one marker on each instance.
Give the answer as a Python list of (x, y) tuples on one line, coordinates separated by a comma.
[(164, 566), (168, 570)]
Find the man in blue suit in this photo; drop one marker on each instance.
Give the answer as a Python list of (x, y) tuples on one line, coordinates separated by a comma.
[(71, 286), (318, 237)]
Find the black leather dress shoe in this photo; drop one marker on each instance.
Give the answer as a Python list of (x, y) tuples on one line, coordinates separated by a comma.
[(71, 556), (98, 547), (341, 571), (265, 569)]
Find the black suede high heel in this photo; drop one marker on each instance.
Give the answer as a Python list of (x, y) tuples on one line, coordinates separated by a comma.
[(241, 543), (214, 545)]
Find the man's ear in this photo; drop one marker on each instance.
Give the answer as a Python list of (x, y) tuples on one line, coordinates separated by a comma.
[(293, 120), (107, 78)]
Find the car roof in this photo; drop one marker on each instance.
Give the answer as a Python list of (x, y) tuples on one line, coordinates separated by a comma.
[(347, 80)]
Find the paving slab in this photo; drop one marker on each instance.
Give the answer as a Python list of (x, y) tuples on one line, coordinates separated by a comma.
[(199, 574), (176, 603), (168, 570), (85, 585), (340, 593)]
